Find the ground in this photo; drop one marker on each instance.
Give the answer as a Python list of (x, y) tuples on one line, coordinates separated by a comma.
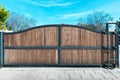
[(53, 73)]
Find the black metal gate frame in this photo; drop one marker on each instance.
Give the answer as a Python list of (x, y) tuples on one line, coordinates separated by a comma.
[(116, 47), (59, 48)]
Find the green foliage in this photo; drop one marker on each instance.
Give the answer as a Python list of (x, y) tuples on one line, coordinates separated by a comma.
[(10, 28), (4, 14), (96, 19), (5, 27), (0, 27)]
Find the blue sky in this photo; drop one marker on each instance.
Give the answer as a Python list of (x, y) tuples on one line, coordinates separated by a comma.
[(61, 11)]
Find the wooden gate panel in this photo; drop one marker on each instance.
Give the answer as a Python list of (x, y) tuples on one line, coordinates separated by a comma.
[(58, 45), (32, 56), (81, 57), (72, 36), (47, 36)]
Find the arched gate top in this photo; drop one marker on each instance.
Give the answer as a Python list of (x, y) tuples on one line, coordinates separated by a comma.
[(54, 25)]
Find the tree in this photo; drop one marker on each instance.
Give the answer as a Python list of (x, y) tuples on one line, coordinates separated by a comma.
[(18, 22), (4, 14), (97, 19)]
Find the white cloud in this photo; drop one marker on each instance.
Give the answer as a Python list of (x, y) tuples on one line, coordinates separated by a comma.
[(76, 15), (112, 9), (27, 14), (49, 4)]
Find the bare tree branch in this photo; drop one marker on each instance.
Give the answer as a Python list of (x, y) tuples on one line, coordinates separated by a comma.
[(18, 22)]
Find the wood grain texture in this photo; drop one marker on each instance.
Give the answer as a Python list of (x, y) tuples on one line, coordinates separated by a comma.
[(31, 56), (105, 40), (79, 37), (112, 56), (47, 36), (81, 57)]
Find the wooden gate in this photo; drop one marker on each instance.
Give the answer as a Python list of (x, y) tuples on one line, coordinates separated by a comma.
[(58, 45)]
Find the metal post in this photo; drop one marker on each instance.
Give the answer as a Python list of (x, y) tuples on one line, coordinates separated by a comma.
[(117, 46), (108, 46), (102, 49), (59, 44), (1, 49)]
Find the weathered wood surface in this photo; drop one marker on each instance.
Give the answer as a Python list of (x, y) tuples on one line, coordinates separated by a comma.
[(80, 37), (14, 56), (81, 56), (48, 36)]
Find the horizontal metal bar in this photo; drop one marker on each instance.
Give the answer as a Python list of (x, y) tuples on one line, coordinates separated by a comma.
[(82, 47), (56, 47), (53, 47), (111, 48), (113, 59), (30, 47), (57, 65), (51, 65)]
